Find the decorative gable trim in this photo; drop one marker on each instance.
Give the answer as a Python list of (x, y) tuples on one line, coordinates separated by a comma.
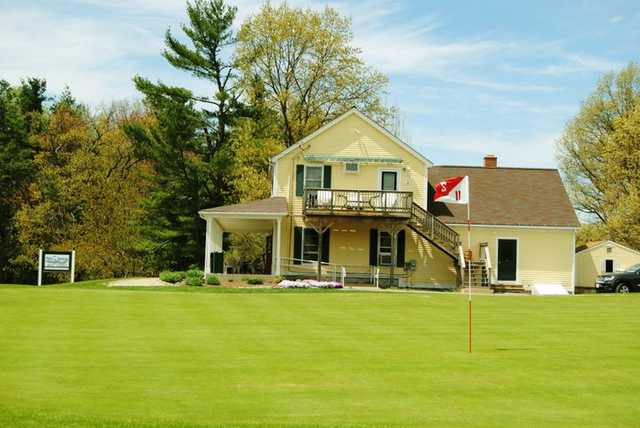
[(369, 121)]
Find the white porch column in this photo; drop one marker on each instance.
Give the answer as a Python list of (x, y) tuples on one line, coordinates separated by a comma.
[(207, 247), (212, 242), (276, 245)]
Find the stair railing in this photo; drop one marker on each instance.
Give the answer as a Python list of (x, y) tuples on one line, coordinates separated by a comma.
[(434, 228)]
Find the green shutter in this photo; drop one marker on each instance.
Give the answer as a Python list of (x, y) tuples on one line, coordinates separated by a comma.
[(297, 245), (299, 180), (373, 247), (327, 177), (326, 239), (400, 250)]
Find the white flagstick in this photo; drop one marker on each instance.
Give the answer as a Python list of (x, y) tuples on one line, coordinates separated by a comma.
[(470, 254)]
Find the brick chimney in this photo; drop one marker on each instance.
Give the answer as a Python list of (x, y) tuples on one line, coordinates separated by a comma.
[(490, 161)]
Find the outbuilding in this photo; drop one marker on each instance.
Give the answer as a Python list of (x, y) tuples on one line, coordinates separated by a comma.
[(598, 258)]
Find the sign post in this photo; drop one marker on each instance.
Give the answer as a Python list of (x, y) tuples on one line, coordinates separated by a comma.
[(56, 261), (73, 265), (40, 267)]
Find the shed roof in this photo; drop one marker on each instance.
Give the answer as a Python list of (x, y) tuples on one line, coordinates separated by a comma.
[(596, 244), (506, 196)]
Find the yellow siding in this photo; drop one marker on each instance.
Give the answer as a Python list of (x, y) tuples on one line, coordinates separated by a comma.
[(590, 263), (349, 247), (352, 137), (544, 255)]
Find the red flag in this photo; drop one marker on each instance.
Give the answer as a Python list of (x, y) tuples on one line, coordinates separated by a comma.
[(454, 190)]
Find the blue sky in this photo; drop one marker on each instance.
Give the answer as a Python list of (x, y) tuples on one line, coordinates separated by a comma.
[(471, 78)]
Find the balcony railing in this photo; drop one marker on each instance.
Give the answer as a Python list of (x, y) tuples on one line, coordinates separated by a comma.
[(380, 203)]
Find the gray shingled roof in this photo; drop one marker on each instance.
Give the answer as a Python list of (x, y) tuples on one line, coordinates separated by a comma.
[(276, 205), (506, 196)]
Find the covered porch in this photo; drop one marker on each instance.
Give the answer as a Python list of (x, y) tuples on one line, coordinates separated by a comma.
[(262, 216)]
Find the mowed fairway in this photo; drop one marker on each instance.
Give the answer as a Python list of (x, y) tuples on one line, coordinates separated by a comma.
[(111, 358)]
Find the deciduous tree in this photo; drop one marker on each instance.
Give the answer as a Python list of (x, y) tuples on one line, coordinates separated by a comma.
[(309, 67), (598, 155), (86, 191)]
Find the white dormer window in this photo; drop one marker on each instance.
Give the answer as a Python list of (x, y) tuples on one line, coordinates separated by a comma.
[(352, 167)]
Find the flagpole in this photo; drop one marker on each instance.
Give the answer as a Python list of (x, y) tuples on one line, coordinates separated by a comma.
[(470, 254)]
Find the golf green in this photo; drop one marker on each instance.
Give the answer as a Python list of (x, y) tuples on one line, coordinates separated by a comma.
[(98, 357)]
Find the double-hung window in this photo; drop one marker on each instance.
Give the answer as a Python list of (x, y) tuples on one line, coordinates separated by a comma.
[(384, 249), (313, 177), (310, 245)]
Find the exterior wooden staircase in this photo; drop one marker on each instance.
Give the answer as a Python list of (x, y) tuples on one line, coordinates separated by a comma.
[(435, 231), (480, 276)]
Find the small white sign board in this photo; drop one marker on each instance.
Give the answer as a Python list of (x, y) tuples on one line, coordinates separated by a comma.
[(56, 261), (548, 290)]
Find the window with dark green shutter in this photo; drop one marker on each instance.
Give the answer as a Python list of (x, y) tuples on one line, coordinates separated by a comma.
[(310, 245), (306, 245), (312, 177)]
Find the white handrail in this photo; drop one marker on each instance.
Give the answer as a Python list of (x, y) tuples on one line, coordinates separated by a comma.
[(487, 256), (462, 262)]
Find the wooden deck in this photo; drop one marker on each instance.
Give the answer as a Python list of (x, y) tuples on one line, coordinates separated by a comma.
[(357, 203)]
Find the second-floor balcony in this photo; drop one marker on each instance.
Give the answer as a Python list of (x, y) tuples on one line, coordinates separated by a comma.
[(372, 203)]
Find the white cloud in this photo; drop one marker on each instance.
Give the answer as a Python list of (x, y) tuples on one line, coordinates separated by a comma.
[(499, 86), (95, 59), (510, 105), (570, 63), (616, 19), (537, 150), (155, 7)]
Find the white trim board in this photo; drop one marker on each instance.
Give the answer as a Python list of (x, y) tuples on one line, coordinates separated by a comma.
[(398, 178), (608, 242), (511, 226), (573, 265), (257, 216), (274, 178), (342, 117)]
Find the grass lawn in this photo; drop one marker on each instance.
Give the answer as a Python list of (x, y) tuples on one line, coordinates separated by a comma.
[(84, 355)]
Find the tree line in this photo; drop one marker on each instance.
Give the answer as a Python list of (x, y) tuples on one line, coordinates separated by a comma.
[(123, 184)]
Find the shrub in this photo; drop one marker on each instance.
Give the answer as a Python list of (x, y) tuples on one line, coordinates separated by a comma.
[(172, 277), (213, 280), (255, 281), (195, 273), (193, 281)]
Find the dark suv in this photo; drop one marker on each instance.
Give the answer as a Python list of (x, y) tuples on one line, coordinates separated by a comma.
[(620, 282)]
